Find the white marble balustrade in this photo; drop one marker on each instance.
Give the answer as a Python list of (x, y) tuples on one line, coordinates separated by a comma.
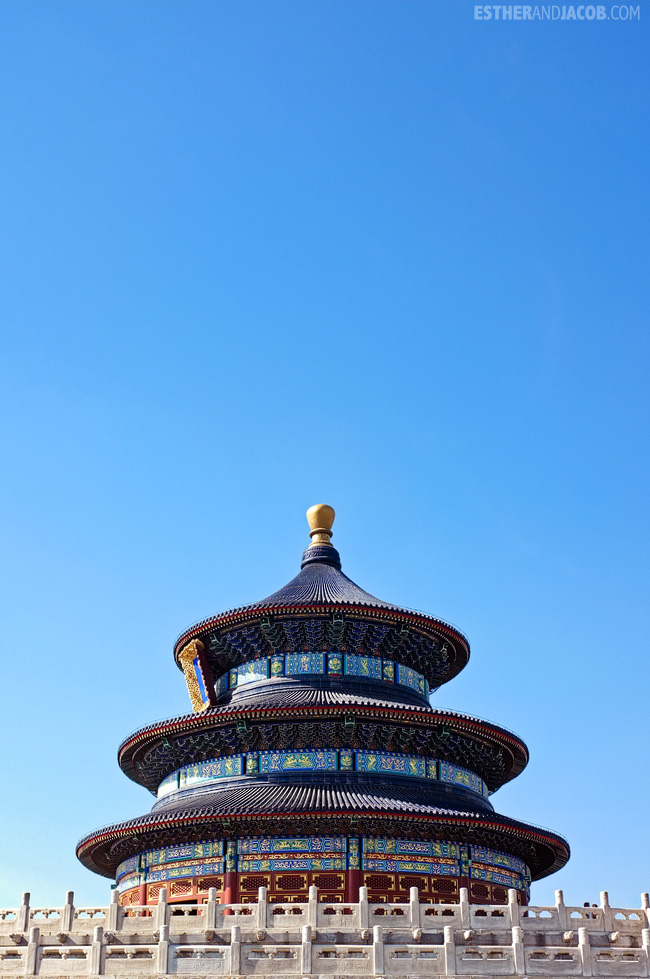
[(315, 939)]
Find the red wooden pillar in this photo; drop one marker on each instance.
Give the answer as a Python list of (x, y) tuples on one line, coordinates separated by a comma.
[(230, 883), (143, 894), (230, 888), (352, 885)]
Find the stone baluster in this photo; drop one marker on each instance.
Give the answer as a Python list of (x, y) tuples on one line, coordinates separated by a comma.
[(312, 907), (585, 951), (464, 908), (608, 918), (160, 914), (518, 950), (364, 911), (513, 907), (450, 951), (210, 919), (31, 959), (95, 957), (645, 906), (414, 908), (645, 945), (305, 950), (115, 913), (262, 909), (561, 911), (235, 950), (67, 913), (22, 918), (377, 951), (162, 951)]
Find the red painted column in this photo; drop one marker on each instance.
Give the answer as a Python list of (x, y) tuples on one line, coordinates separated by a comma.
[(230, 885), (230, 888), (352, 885), (143, 893)]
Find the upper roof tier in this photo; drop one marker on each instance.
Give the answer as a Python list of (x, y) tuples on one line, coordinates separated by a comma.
[(320, 609)]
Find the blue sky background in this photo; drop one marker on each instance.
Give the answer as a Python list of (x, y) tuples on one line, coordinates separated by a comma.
[(376, 254)]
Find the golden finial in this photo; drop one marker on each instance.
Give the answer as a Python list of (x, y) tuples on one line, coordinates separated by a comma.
[(320, 517)]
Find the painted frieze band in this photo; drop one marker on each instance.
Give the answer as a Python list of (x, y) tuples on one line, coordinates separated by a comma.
[(322, 853), (321, 760), (332, 664)]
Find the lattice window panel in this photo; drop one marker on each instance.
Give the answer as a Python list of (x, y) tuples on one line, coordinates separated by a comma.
[(152, 892), (480, 891), (380, 882), (500, 894), (291, 882), (330, 899), (134, 897), (205, 883), (328, 881), (252, 883), (407, 881), (181, 887), (444, 885)]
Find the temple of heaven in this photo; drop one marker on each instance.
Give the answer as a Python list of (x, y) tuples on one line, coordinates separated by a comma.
[(313, 757)]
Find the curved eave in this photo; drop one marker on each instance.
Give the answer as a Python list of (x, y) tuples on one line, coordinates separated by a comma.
[(248, 615), (94, 849), (145, 738)]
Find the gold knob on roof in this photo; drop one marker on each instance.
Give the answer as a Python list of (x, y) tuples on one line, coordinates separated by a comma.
[(320, 518)]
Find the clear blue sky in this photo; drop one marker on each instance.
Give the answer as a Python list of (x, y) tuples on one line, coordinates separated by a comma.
[(257, 255)]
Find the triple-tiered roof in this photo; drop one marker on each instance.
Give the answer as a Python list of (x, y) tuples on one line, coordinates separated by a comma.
[(312, 722)]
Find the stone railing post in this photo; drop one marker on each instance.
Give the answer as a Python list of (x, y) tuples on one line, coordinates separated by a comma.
[(645, 905), (645, 945), (262, 908), (211, 910), (162, 951), (464, 908), (608, 921), (31, 959), (312, 907), (95, 957), (67, 913), (585, 951), (160, 914), (364, 911), (513, 907), (22, 918), (235, 950), (305, 950), (560, 909), (518, 950), (377, 951), (450, 951), (414, 907), (113, 916)]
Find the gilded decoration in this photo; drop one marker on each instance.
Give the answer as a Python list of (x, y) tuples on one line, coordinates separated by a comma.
[(197, 678)]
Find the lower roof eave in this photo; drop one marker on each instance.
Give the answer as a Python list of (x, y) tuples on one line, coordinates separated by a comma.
[(152, 831)]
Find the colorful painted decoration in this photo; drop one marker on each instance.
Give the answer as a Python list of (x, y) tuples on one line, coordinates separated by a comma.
[(321, 760), (323, 853), (333, 664)]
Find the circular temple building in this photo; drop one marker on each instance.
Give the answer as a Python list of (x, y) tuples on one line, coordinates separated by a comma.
[(313, 757)]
